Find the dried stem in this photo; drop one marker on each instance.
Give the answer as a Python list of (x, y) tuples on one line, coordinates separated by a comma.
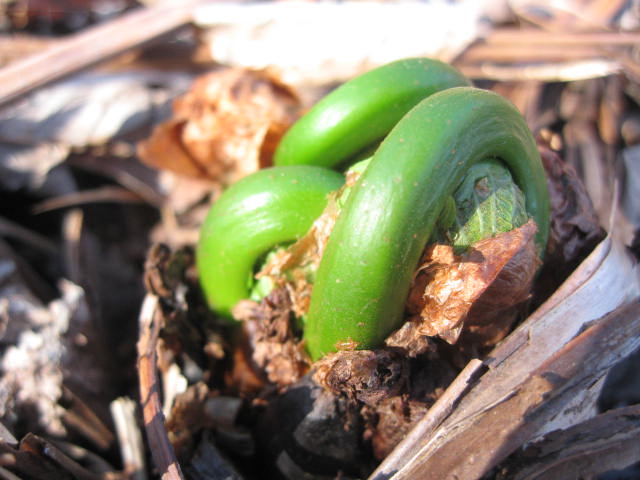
[(161, 449)]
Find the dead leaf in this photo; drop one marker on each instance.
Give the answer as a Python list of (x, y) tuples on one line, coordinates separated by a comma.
[(27, 167), (225, 127), (447, 286), (574, 230), (392, 392), (409, 339)]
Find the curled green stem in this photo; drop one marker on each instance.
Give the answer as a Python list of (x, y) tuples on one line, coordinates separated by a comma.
[(366, 269), (392, 210), (361, 112), (271, 207)]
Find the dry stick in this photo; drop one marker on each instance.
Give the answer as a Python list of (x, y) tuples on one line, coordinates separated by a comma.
[(545, 72), (47, 450), (12, 229), (551, 56), (511, 36), (161, 449), (106, 194), (93, 45)]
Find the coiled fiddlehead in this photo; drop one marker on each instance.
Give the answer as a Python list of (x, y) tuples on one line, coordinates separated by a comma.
[(271, 207), (366, 269), (390, 214)]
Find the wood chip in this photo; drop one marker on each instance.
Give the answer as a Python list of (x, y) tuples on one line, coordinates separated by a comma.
[(544, 369)]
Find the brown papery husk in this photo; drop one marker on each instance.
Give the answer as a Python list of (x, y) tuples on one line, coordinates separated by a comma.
[(225, 127), (473, 290), (288, 268)]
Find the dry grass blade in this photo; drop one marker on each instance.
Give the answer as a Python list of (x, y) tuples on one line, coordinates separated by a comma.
[(130, 175), (521, 37), (545, 71), (81, 418), (106, 194), (18, 46), (530, 53), (42, 450)]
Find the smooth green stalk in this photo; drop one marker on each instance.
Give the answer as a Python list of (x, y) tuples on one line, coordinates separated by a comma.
[(361, 112), (367, 267), (271, 207)]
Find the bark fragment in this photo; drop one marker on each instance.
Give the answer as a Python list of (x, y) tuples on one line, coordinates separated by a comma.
[(368, 376)]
